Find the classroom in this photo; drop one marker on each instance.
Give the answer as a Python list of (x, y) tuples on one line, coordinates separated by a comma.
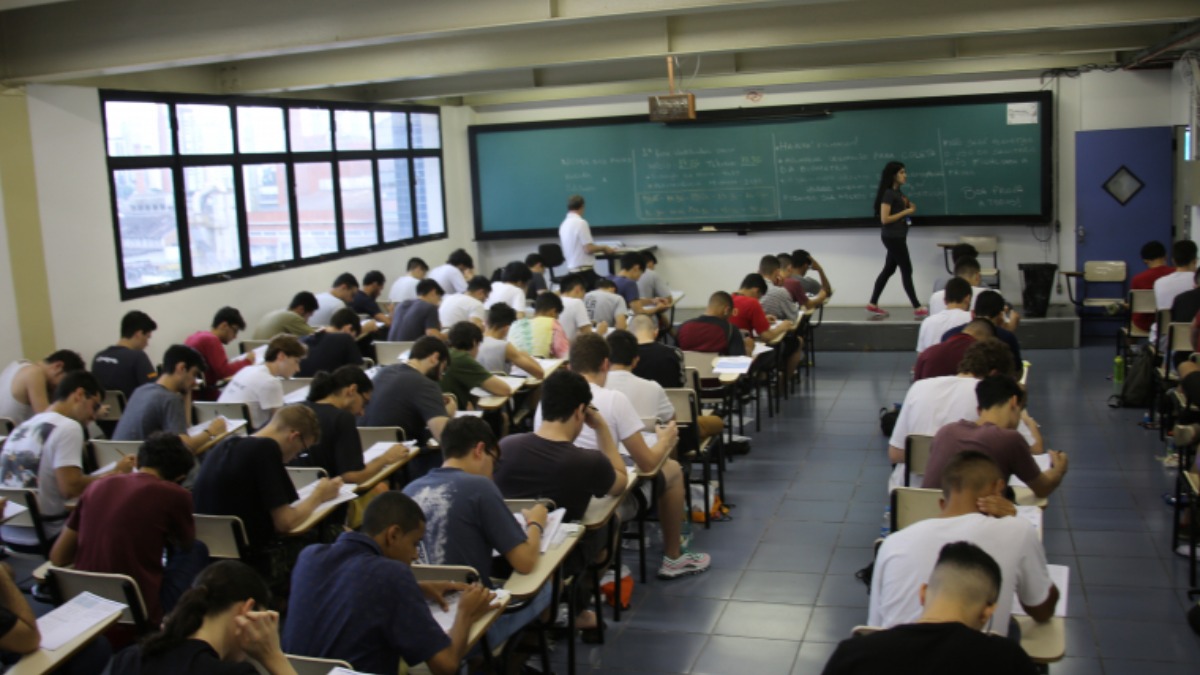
[(435, 87)]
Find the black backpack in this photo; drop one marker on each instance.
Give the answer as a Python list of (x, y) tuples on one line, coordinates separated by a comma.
[(887, 419), (1139, 382)]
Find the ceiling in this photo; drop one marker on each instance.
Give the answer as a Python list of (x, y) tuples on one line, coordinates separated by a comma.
[(495, 52)]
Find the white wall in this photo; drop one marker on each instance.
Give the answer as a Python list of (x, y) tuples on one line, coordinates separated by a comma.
[(81, 257), (700, 263), (10, 339)]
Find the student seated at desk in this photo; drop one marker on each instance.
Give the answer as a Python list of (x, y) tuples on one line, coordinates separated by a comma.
[(26, 386), (122, 525), (574, 318), (537, 283), (220, 621), (541, 336), (413, 318), (778, 303), (957, 297), (748, 314), (362, 583), (166, 404), (19, 632), (943, 358), (334, 347), (605, 306), (124, 366), (990, 305), (467, 517), (226, 325), (974, 510), (958, 602), (958, 252), (46, 454), (407, 394), (339, 296), (656, 361), (452, 276), (968, 270), (496, 353), (405, 288), (647, 396), (806, 291), (245, 476), (626, 280), (464, 373), (365, 300), (259, 386), (510, 287), (290, 321), (712, 332), (466, 306), (650, 285)]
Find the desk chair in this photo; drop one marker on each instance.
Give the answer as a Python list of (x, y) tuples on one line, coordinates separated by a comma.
[(912, 505), (6, 426), (65, 583), (303, 476), (294, 384), (308, 665), (916, 456), (250, 345), (1178, 337), (1141, 301), (1103, 273), (225, 536), (107, 452), (31, 518), (388, 353), (691, 448), (709, 387), (205, 411), (984, 246), (552, 256)]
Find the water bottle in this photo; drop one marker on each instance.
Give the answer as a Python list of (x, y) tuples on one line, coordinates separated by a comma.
[(1118, 376), (886, 527)]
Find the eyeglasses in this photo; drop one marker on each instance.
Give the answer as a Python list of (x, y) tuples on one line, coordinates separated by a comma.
[(494, 453)]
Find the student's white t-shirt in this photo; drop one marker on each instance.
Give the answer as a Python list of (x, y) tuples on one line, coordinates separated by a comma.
[(326, 306), (936, 325), (45, 442), (508, 294), (620, 415), (648, 397), (906, 559), (449, 277), (573, 317), (404, 288), (937, 301), (258, 389), (460, 307), (1171, 285)]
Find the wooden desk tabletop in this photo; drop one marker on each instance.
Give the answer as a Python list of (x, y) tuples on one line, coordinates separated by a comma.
[(45, 661), (527, 585), (318, 514), (384, 473), (1043, 642), (484, 623), (600, 509)]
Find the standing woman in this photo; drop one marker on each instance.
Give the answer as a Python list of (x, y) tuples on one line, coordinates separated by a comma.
[(893, 210)]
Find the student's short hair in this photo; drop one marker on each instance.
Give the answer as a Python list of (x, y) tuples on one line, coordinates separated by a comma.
[(605, 282), (345, 279), (501, 315), (137, 322), (588, 353), (517, 272), (755, 280), (165, 453), (965, 267), (969, 470), (1153, 250), (71, 361), (563, 391), (622, 347), (720, 300), (463, 433), (631, 260), (427, 345), (479, 283), (768, 265), (957, 290), (960, 251), (986, 357), (1183, 252), (177, 354), (571, 282), (300, 418), (392, 508), (800, 258), (427, 286), (989, 304), (649, 257), (995, 390), (416, 264), (373, 277), (230, 316), (288, 345), (1196, 277), (641, 323), (464, 335), (346, 317), (575, 202), (980, 327), (546, 302), (324, 384), (305, 300), (974, 575), (460, 258), (785, 260), (78, 379), (534, 259)]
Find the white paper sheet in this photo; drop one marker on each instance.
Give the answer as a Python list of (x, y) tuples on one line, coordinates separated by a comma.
[(67, 622), (12, 510), (344, 495), (231, 426), (513, 382), (739, 365), (445, 617), (1061, 576), (1043, 462)]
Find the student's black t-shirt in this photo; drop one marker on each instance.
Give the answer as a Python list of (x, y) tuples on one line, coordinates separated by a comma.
[(244, 476), (340, 448), (365, 304), (660, 363), (123, 369), (532, 467), (896, 200), (929, 649), (411, 319), (193, 657), (329, 351), (404, 398)]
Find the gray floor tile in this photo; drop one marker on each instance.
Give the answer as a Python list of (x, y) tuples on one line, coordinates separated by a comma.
[(842, 591), (647, 651), (1126, 667), (814, 511), (679, 614), (715, 583), (1109, 571), (779, 587), (1133, 604), (1143, 640), (764, 620), (833, 624), (726, 654), (784, 558)]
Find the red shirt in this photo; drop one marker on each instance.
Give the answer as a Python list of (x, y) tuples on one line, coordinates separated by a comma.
[(942, 358), (748, 315), (219, 365), (710, 334), (796, 290), (1144, 281), (124, 522)]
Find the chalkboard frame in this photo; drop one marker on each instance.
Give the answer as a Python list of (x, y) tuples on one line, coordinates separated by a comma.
[(1044, 99)]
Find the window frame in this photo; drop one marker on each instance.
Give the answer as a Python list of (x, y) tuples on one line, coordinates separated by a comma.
[(176, 163)]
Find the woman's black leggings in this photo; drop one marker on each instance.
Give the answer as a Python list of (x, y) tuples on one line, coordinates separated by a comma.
[(897, 256)]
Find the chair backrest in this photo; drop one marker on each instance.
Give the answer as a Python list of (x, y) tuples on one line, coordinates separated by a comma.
[(911, 505), (1142, 301), (295, 383), (388, 353), (982, 244), (66, 583), (916, 455), (701, 361), (305, 475), (309, 665), (687, 408), (7, 425), (107, 452), (1104, 271), (371, 435), (31, 518), (552, 255), (649, 424), (460, 573), (114, 405), (251, 345), (864, 630), (225, 536), (206, 411), (1180, 338)]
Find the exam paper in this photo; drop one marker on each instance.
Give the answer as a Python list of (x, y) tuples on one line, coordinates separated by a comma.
[(69, 621), (1060, 575)]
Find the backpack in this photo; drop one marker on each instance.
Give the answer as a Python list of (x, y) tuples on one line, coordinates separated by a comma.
[(1139, 382), (887, 419)]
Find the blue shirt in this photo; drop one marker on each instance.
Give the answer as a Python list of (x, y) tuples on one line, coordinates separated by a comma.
[(627, 288), (349, 602)]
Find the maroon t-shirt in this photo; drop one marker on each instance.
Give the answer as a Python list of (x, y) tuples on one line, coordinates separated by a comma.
[(124, 522), (710, 334), (1006, 446), (942, 358)]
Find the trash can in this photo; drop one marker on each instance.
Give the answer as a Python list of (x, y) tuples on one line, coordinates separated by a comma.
[(1037, 283)]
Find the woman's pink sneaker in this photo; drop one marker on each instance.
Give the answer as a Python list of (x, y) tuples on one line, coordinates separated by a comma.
[(921, 312), (876, 311)]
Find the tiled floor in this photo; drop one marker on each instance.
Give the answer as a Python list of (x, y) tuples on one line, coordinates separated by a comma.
[(810, 500)]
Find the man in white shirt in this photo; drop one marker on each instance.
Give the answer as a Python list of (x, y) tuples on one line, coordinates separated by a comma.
[(259, 386), (648, 397), (578, 248), (574, 318), (958, 301), (405, 288), (966, 269), (339, 296), (1183, 254), (511, 291), (904, 561), (466, 306), (452, 276)]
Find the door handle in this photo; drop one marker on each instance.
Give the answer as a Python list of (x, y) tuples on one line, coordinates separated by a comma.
[(1079, 233)]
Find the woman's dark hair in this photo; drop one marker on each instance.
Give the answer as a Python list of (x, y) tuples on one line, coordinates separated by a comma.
[(220, 585), (325, 384), (887, 180)]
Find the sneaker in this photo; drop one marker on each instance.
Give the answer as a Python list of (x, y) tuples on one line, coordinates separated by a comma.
[(686, 564), (921, 312), (1182, 550), (876, 310)]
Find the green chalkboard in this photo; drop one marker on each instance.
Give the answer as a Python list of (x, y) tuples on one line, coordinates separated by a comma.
[(970, 159)]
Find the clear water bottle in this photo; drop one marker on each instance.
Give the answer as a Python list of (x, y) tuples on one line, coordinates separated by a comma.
[(886, 527)]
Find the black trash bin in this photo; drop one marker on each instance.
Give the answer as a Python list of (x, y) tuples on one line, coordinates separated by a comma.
[(1037, 283)]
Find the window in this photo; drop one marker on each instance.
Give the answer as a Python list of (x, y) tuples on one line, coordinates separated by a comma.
[(209, 188)]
